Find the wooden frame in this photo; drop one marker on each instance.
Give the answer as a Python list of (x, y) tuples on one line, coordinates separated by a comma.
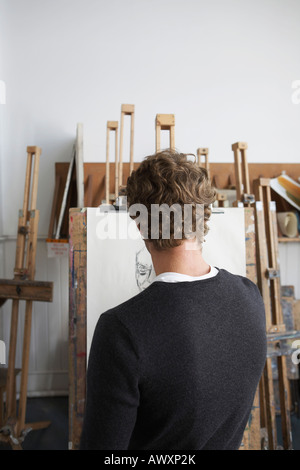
[(18, 289), (221, 174), (78, 322)]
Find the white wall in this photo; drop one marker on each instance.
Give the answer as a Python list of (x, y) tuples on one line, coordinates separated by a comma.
[(224, 67)]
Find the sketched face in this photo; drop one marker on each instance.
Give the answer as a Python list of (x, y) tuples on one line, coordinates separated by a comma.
[(143, 269)]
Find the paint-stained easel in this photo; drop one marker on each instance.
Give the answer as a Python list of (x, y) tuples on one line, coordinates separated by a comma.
[(78, 321), (23, 287), (269, 284), (164, 122)]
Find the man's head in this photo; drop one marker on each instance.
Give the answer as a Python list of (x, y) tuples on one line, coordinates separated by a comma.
[(170, 178)]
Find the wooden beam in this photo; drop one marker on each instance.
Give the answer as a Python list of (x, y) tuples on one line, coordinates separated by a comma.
[(26, 290)]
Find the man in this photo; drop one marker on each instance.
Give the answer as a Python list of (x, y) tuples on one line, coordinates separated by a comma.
[(177, 366)]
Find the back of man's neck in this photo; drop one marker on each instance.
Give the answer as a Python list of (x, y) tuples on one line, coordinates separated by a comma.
[(185, 259)]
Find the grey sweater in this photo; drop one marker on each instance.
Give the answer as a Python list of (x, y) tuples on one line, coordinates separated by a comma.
[(176, 367)]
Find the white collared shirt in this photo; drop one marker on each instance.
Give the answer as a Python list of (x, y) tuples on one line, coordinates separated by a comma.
[(177, 277)]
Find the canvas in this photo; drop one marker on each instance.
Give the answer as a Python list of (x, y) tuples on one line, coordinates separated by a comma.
[(119, 266)]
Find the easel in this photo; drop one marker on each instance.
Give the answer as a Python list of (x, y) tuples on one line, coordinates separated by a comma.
[(269, 284), (164, 122), (242, 174), (203, 152), (112, 126), (78, 320), (126, 110), (23, 287)]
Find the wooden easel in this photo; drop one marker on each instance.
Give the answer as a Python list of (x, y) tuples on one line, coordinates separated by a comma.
[(126, 110), (203, 152), (78, 320), (242, 174), (23, 287), (112, 126), (164, 122), (269, 284)]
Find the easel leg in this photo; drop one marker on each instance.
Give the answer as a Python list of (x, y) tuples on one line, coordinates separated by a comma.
[(283, 395), (172, 137), (270, 411), (10, 387)]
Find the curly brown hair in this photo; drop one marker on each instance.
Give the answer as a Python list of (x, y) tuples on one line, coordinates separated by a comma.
[(170, 178)]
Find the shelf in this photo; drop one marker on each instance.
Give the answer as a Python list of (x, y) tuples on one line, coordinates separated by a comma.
[(288, 240)]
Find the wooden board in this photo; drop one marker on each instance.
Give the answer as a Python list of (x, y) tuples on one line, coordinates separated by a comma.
[(26, 290), (223, 173), (78, 325)]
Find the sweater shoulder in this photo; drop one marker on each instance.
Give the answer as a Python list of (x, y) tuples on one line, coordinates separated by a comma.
[(241, 283), (134, 304), (238, 279)]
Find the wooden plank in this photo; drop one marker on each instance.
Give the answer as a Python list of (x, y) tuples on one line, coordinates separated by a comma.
[(10, 385), (224, 172), (26, 290), (77, 323)]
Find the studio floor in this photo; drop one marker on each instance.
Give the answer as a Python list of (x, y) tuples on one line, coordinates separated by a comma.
[(55, 437)]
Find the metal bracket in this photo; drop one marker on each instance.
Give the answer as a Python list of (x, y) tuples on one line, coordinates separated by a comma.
[(272, 273), (248, 198)]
